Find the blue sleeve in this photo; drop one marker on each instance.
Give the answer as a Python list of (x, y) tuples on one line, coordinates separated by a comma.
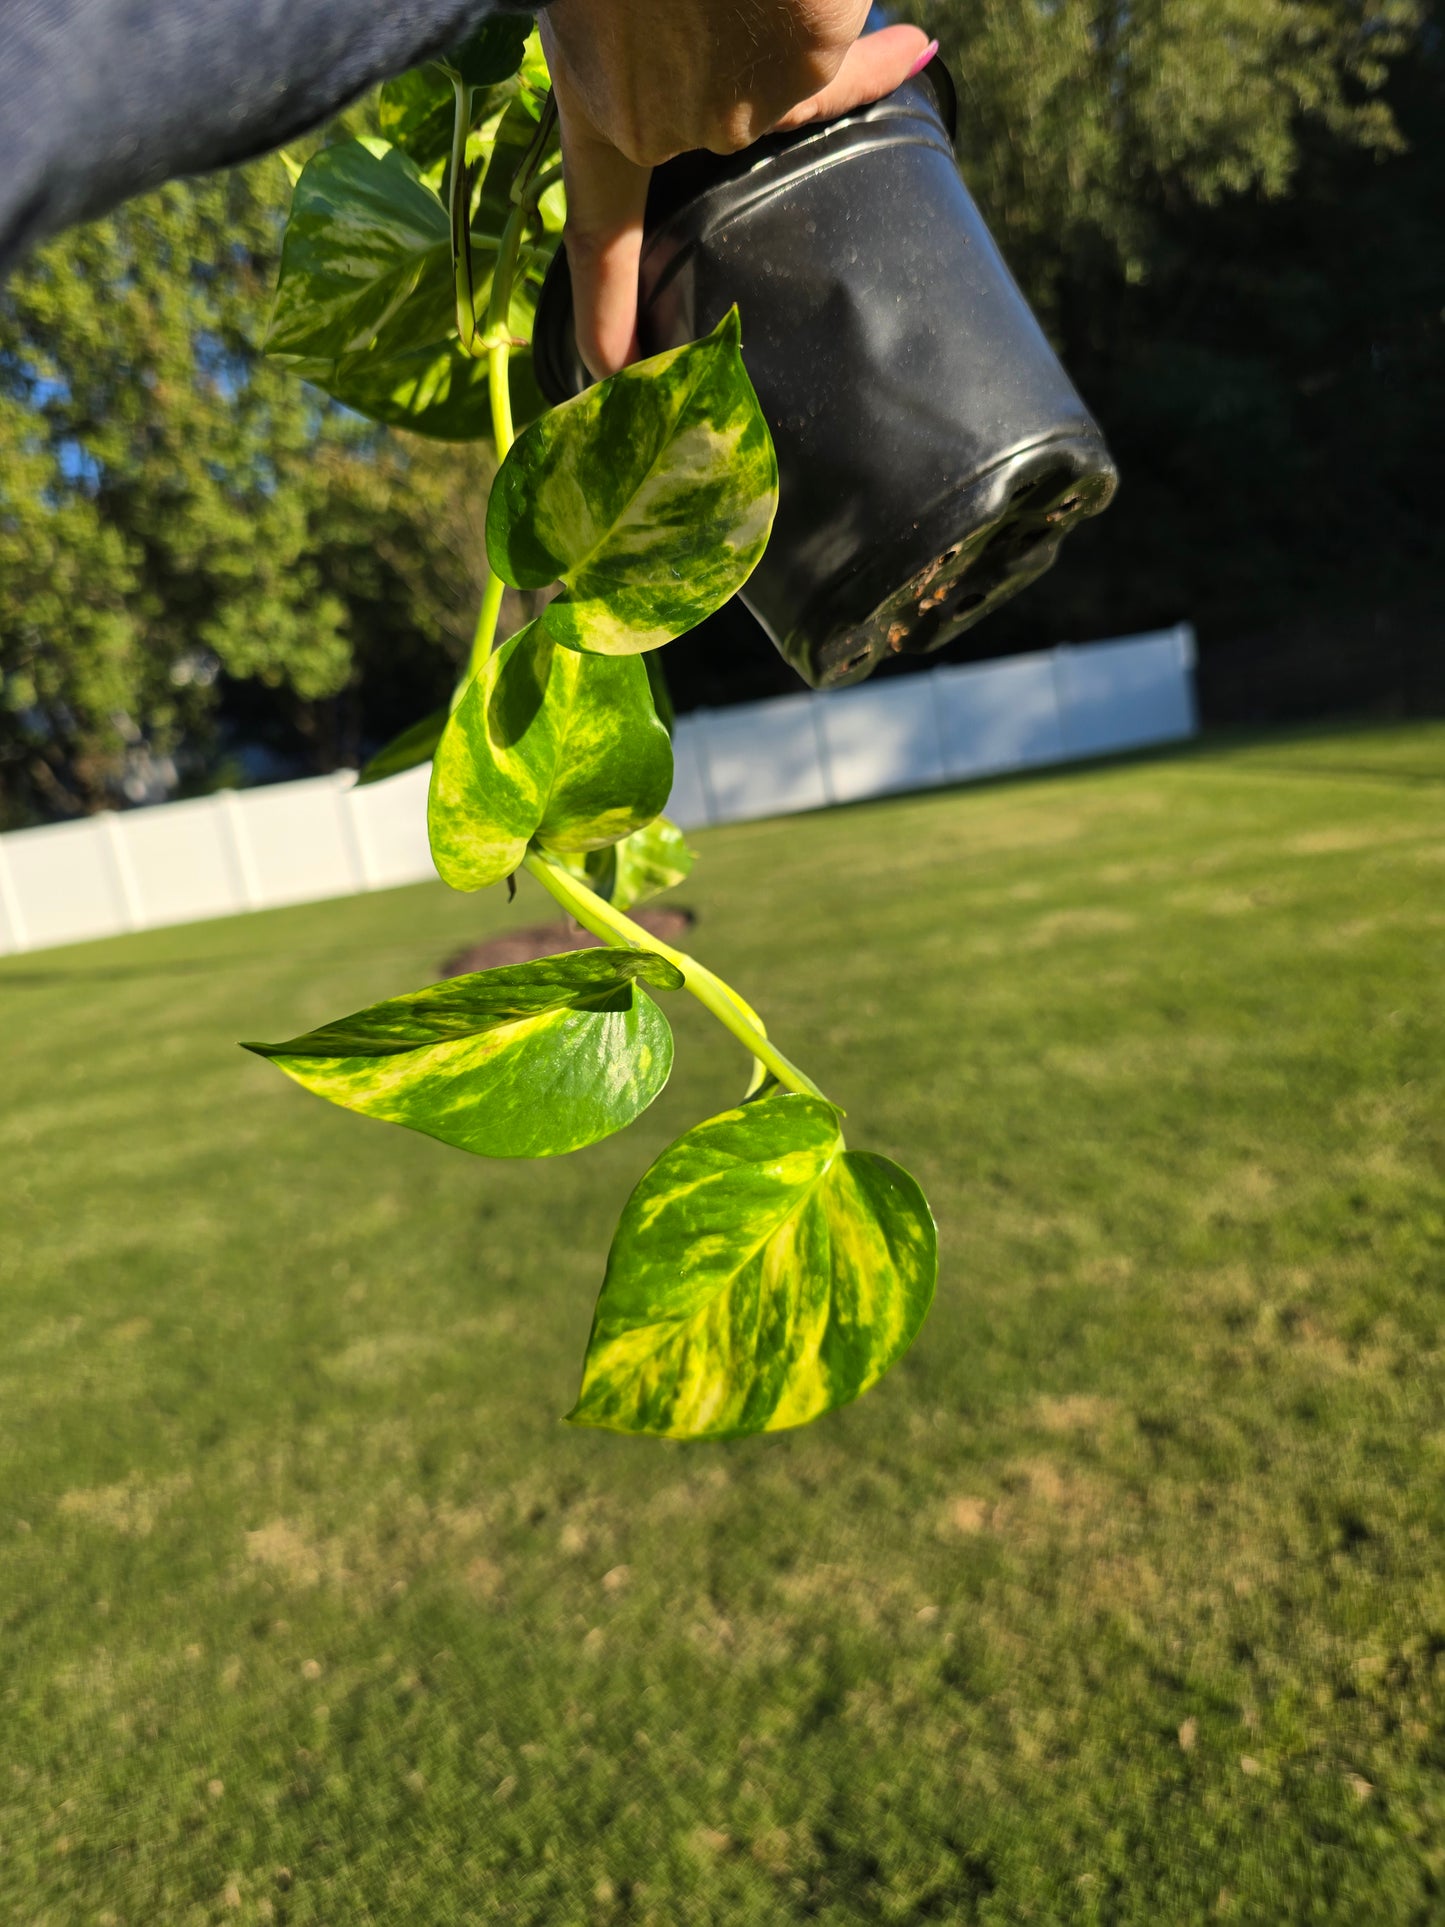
[(102, 99)]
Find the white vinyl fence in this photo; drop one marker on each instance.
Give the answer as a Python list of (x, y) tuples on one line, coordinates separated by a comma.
[(300, 842)]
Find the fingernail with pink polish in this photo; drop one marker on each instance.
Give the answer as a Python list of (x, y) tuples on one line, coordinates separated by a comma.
[(923, 59)]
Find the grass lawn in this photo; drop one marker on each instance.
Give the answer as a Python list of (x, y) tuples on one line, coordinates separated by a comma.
[(1121, 1599)]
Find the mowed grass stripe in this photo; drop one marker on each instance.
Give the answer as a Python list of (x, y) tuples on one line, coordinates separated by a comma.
[(1120, 1599)]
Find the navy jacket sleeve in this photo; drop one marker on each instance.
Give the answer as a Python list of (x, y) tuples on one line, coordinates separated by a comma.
[(101, 99)]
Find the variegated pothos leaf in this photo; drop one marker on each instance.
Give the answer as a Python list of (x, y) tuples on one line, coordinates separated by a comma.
[(366, 304), (761, 1276), (650, 497), (545, 743), (527, 1062), (640, 867)]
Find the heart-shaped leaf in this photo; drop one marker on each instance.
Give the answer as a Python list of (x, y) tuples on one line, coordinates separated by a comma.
[(413, 747), (528, 1062), (650, 497), (366, 306), (761, 1275), (640, 867), (549, 744)]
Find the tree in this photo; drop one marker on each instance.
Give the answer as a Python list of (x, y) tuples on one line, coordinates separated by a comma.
[(1227, 213), (188, 535), (1085, 124)]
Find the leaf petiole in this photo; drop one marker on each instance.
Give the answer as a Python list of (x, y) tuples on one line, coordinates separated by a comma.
[(720, 999), (498, 335), (460, 211), (486, 633)]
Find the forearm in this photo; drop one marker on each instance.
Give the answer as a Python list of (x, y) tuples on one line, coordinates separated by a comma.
[(101, 99)]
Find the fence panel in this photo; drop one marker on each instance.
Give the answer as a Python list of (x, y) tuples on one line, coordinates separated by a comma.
[(881, 740), (689, 805), (763, 759), (997, 716), (182, 857), (389, 824), (300, 842), (66, 884), (1123, 695)]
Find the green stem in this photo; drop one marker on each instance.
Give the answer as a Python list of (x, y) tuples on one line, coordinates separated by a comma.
[(525, 190), (499, 346), (486, 636), (539, 187), (460, 210), (499, 308), (711, 992)]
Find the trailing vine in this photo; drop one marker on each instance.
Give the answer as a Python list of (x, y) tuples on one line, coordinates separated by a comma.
[(762, 1272)]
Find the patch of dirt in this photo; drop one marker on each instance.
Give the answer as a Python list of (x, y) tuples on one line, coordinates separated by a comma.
[(552, 939), (131, 1508)]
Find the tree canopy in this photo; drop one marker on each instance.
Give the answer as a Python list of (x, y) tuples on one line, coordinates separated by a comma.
[(1226, 211), (1228, 214), (186, 530)]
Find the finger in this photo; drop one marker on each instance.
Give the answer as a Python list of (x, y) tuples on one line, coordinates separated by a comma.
[(606, 205), (874, 66)]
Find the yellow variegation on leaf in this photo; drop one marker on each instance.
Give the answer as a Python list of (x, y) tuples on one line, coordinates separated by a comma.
[(366, 305), (527, 1062), (549, 744), (650, 498), (642, 866), (762, 1274)]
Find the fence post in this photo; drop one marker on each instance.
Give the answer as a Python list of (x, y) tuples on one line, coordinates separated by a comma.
[(820, 738), (1188, 642), (353, 833), (126, 882), (935, 704), (233, 816), (12, 917), (1057, 656)]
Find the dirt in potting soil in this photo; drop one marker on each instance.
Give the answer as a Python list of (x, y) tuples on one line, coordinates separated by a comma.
[(551, 939)]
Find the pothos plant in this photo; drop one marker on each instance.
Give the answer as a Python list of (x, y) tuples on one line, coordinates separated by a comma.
[(762, 1272)]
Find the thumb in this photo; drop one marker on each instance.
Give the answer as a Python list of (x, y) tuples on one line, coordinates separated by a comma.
[(606, 206), (873, 66)]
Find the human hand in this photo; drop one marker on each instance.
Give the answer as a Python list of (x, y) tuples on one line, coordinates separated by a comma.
[(638, 81)]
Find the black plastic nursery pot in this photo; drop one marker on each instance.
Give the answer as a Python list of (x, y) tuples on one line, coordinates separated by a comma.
[(932, 452)]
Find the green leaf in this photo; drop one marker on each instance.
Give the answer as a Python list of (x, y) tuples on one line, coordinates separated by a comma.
[(509, 146), (650, 497), (415, 113), (640, 867), (547, 744), (416, 108), (533, 80), (493, 53), (761, 1276), (413, 747), (661, 693), (528, 1062), (366, 306)]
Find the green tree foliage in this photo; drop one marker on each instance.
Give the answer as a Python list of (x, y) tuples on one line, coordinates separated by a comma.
[(1085, 123), (181, 523), (1228, 214)]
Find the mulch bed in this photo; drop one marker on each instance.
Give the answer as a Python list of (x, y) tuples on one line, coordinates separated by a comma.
[(551, 939)]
